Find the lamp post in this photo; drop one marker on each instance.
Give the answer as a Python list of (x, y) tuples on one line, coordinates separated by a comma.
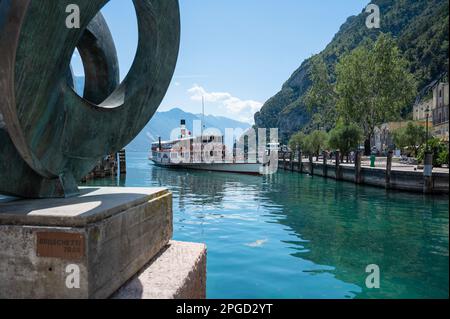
[(428, 161)]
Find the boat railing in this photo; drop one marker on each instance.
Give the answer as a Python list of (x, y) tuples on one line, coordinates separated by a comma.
[(200, 158)]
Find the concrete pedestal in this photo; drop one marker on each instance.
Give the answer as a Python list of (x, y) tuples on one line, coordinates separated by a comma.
[(178, 272), (82, 247)]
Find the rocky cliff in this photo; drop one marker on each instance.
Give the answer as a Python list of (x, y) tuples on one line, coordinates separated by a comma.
[(421, 30)]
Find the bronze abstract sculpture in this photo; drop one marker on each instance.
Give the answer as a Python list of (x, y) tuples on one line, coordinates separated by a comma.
[(50, 137)]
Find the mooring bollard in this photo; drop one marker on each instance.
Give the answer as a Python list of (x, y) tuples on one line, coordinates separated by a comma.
[(325, 164), (292, 161), (311, 165), (122, 162), (300, 161), (389, 169), (358, 167), (428, 173), (338, 165)]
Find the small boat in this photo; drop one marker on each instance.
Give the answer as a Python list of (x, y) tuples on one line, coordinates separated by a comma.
[(206, 152)]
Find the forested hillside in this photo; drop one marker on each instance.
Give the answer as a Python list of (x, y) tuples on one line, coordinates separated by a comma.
[(420, 28)]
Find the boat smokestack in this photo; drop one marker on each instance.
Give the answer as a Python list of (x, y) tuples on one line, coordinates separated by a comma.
[(183, 128)]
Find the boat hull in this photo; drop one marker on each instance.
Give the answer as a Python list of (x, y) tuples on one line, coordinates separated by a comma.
[(238, 168)]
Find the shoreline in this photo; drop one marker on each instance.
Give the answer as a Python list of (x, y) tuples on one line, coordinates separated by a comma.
[(394, 179)]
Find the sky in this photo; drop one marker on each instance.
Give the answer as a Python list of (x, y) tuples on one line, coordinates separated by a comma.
[(235, 53)]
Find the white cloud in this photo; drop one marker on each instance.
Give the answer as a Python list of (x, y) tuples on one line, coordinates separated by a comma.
[(244, 110)]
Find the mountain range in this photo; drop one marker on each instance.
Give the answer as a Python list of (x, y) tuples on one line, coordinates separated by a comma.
[(162, 124), (420, 28)]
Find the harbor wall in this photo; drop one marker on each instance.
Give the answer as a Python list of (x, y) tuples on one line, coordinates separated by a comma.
[(411, 181)]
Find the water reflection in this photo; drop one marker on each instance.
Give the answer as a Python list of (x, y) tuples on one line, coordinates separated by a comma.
[(349, 227), (295, 236), (202, 188)]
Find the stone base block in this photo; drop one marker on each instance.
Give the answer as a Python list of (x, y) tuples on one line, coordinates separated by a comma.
[(178, 272), (82, 247)]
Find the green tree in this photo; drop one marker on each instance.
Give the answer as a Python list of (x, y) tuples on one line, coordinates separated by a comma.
[(373, 85), (345, 138), (315, 143), (443, 156), (411, 136), (320, 99), (297, 141), (439, 150)]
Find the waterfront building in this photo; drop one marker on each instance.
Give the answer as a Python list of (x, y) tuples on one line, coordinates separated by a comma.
[(438, 119), (440, 110), (383, 138), (419, 110)]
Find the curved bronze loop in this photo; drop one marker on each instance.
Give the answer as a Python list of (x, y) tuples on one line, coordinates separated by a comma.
[(57, 133)]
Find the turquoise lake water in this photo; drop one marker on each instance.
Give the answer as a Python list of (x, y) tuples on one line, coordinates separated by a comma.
[(294, 236)]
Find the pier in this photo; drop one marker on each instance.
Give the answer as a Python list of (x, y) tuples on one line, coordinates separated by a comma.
[(110, 166), (387, 173)]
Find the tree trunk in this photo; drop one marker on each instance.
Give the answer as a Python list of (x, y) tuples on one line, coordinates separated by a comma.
[(367, 150)]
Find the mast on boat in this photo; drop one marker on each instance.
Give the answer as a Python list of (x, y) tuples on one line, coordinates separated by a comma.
[(203, 114), (203, 127)]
